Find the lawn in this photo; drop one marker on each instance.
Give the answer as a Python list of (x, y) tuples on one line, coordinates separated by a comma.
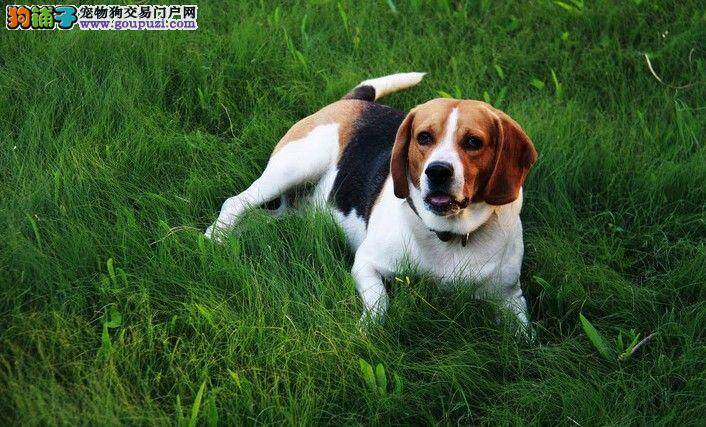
[(118, 148)]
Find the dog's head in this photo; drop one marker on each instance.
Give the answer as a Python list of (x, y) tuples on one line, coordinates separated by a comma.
[(455, 153)]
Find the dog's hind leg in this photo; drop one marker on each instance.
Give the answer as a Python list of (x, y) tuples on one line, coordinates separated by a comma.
[(294, 163)]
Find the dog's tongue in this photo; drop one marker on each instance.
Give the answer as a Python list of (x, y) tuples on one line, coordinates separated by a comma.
[(440, 200)]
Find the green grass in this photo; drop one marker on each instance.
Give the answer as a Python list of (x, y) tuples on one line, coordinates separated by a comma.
[(117, 149)]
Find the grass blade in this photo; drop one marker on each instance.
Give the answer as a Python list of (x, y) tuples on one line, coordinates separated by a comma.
[(35, 229), (197, 405), (392, 6), (179, 411), (499, 71), (368, 376), (114, 318), (398, 384), (106, 345), (559, 90), (537, 83), (211, 411), (111, 271), (344, 16), (381, 379), (596, 339)]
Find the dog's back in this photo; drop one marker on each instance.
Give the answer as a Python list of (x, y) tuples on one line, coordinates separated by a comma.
[(344, 148)]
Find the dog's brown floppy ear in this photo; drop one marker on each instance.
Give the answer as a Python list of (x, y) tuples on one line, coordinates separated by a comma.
[(514, 157), (399, 160)]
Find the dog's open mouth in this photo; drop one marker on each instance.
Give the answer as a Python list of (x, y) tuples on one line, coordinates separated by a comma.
[(444, 204)]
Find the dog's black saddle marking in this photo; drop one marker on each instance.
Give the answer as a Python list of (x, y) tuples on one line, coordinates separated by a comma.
[(365, 163)]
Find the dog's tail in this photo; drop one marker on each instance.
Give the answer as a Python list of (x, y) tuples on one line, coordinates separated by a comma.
[(373, 89)]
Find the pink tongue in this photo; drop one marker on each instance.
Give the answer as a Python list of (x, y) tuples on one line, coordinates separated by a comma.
[(440, 200)]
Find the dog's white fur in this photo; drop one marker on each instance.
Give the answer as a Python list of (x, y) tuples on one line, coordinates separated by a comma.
[(392, 83), (491, 259)]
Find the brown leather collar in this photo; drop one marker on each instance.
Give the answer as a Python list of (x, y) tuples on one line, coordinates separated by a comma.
[(444, 236)]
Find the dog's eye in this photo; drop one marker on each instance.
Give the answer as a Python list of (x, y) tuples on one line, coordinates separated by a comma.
[(424, 138), (472, 143)]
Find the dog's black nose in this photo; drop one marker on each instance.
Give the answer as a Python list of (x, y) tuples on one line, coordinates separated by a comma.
[(439, 172)]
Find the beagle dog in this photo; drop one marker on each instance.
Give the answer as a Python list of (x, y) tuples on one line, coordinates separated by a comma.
[(440, 186)]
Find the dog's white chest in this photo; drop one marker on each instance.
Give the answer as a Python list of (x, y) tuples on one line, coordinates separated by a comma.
[(485, 260), (394, 235)]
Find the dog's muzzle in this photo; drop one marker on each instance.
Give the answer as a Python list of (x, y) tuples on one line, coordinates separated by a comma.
[(439, 199)]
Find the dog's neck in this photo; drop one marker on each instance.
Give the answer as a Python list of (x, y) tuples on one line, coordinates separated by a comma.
[(444, 236)]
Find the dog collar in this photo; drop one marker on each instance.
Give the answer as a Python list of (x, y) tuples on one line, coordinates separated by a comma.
[(444, 236)]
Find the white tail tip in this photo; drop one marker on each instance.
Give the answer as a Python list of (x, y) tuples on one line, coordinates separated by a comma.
[(392, 83)]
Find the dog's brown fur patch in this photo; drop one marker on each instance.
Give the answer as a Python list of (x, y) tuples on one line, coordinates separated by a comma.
[(343, 112)]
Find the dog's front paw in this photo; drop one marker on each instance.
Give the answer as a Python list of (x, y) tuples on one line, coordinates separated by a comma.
[(209, 232), (370, 318), (527, 333), (216, 232)]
